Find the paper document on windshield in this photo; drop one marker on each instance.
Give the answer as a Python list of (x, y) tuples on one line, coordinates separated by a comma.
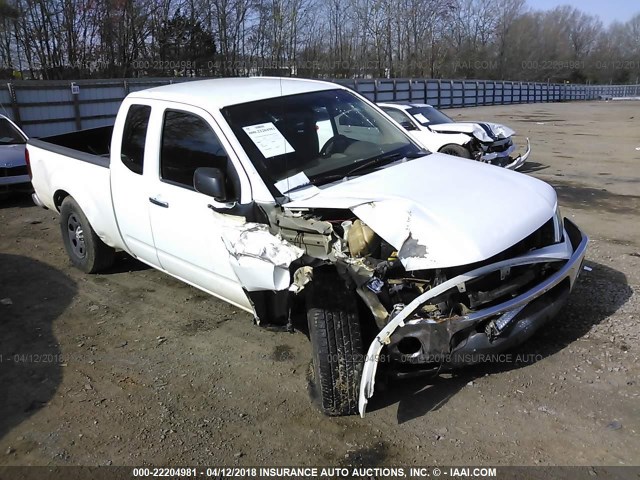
[(285, 186), (268, 139), (421, 118)]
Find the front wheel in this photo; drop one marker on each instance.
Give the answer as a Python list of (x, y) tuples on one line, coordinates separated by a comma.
[(85, 249), (336, 340), (456, 151)]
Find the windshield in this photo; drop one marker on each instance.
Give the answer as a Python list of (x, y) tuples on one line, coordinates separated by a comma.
[(9, 135), (428, 115), (307, 138)]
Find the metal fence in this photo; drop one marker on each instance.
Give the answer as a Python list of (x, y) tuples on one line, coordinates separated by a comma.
[(44, 108)]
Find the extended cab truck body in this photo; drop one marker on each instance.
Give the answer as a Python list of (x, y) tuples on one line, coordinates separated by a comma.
[(263, 193)]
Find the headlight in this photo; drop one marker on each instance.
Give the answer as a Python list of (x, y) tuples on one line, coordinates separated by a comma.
[(558, 226)]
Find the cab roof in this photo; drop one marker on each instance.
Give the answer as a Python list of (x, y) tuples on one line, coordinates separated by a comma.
[(221, 92)]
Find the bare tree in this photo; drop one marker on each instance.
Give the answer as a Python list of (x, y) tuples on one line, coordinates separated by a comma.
[(487, 39)]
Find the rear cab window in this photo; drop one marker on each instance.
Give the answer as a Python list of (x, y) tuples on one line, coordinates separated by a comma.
[(134, 137)]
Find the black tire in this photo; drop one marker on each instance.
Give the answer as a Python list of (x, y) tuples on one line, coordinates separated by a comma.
[(85, 249), (336, 340), (456, 151)]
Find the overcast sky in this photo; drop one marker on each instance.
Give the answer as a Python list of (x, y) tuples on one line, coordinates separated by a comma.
[(608, 10)]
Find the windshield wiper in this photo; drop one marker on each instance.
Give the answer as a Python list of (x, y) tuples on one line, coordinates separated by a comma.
[(321, 180), (385, 159)]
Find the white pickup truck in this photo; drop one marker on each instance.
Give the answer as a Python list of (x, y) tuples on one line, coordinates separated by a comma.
[(258, 191)]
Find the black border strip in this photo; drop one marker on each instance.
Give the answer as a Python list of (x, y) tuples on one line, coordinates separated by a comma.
[(70, 152)]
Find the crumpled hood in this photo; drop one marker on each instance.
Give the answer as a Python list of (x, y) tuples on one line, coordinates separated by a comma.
[(440, 211), (12, 156), (483, 131)]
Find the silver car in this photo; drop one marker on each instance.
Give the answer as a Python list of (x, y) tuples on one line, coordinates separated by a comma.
[(13, 166)]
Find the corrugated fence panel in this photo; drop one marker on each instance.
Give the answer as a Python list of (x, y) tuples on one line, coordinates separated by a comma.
[(5, 103), (47, 129), (365, 88), (433, 92), (98, 93), (43, 114), (417, 91), (97, 122), (48, 108), (100, 109), (386, 91)]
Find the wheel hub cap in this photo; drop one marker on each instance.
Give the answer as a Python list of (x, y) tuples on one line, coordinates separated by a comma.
[(76, 236)]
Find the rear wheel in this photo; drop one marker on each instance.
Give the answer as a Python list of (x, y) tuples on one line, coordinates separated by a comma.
[(85, 249), (336, 340), (456, 151)]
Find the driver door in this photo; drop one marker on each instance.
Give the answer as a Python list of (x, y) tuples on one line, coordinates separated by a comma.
[(186, 230)]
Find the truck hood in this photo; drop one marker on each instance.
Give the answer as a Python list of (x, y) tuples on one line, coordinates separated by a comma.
[(440, 211), (483, 131), (12, 156)]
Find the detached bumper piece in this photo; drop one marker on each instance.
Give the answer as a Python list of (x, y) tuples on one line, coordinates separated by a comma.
[(467, 339), (504, 159), (520, 159)]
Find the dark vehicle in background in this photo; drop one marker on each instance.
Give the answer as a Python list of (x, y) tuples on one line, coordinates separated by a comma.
[(13, 166)]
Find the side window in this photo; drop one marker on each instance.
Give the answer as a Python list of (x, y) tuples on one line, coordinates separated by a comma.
[(188, 142), (396, 115), (354, 119), (134, 136), (356, 126)]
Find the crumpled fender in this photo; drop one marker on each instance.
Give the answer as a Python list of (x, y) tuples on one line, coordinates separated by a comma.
[(259, 259)]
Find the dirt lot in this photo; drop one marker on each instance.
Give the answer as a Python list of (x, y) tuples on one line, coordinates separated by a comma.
[(132, 367)]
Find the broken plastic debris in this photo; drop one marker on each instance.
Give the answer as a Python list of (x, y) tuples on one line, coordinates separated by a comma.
[(254, 240), (301, 277), (6, 301), (588, 269)]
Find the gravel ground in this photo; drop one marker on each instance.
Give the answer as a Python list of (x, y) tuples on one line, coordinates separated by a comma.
[(132, 367)]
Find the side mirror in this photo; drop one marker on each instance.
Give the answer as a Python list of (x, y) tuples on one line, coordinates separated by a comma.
[(408, 125), (211, 182)]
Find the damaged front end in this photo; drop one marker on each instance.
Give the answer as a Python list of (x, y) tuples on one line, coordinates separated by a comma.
[(490, 143), (500, 153), (425, 317), (478, 309)]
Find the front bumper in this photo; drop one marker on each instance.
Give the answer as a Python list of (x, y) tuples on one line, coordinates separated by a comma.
[(456, 342), (504, 159)]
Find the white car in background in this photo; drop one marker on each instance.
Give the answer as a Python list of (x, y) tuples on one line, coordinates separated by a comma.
[(483, 141), (13, 167)]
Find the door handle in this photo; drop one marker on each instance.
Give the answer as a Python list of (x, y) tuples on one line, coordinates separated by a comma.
[(159, 203)]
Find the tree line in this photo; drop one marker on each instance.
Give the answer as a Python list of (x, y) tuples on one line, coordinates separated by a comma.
[(474, 39)]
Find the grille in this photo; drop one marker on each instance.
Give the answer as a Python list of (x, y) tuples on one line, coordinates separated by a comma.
[(501, 146)]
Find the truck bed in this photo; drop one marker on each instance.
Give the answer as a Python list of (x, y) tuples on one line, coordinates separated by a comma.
[(91, 145), (77, 164)]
